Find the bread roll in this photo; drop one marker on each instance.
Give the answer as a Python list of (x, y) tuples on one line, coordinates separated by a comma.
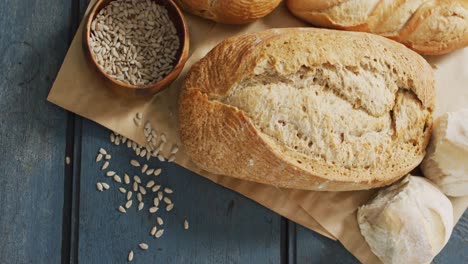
[(446, 162), (229, 11), (426, 26), (295, 108), (407, 223)]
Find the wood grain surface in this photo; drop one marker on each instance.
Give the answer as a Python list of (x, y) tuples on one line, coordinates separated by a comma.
[(52, 213)]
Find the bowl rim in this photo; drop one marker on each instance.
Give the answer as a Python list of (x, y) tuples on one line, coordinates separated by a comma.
[(178, 65)]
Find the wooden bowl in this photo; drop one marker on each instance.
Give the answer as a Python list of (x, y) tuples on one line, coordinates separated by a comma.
[(177, 18)]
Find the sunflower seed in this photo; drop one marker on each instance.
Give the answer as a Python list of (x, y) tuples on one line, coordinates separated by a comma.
[(161, 158), (171, 158), (167, 200), (156, 188), (105, 186), (112, 138), (140, 206), (130, 256), (136, 179), (99, 157), (122, 209), (169, 207), (142, 190), (143, 153), (168, 190), (126, 178), (186, 224), (153, 209), (160, 195), (157, 172), (137, 151), (149, 172), (129, 195), (144, 168), (102, 151), (148, 155), (139, 197), (105, 165), (122, 190), (108, 157), (128, 204), (175, 149), (135, 163), (153, 230), (143, 246), (159, 221), (150, 184), (99, 186), (129, 144), (159, 233), (135, 186), (110, 173), (117, 178)]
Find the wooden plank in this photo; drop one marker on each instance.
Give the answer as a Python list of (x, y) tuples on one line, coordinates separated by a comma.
[(32, 132), (313, 248), (224, 226)]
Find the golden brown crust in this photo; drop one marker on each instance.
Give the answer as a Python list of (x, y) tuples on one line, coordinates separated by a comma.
[(427, 26), (225, 139), (229, 11)]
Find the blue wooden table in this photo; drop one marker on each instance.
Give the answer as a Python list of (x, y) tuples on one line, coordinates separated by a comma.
[(50, 211)]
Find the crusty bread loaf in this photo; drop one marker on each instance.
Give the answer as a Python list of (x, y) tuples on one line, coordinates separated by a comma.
[(426, 26), (407, 223), (296, 108), (229, 11)]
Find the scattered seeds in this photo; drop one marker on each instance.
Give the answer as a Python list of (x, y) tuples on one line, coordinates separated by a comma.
[(122, 209), (142, 190), (110, 173), (126, 178), (117, 178), (122, 190), (128, 204), (135, 163), (150, 184), (130, 256), (149, 172), (139, 197), (140, 206), (157, 172), (105, 186), (105, 165), (99, 186), (135, 186), (175, 149), (186, 224), (160, 195), (102, 151), (156, 188), (159, 221), (143, 246), (168, 190), (159, 233), (171, 158), (129, 195), (99, 157), (153, 209), (108, 157), (153, 230), (167, 200), (161, 158), (169, 207), (67, 160)]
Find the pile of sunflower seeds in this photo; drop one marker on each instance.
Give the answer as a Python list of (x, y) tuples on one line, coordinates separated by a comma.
[(137, 187), (134, 41)]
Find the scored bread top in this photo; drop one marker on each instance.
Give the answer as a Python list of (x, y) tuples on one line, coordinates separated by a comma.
[(308, 109), (426, 26)]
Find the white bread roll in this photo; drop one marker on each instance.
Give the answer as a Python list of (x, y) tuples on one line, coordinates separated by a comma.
[(446, 162), (408, 222)]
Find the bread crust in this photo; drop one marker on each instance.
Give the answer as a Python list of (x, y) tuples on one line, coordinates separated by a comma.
[(429, 27), (229, 11), (224, 139)]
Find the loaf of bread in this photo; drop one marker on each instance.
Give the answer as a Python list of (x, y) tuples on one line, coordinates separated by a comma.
[(407, 223), (426, 26), (309, 109), (446, 162), (229, 11)]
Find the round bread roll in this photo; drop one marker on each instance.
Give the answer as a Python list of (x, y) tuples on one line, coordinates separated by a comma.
[(446, 162), (408, 222), (229, 11)]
